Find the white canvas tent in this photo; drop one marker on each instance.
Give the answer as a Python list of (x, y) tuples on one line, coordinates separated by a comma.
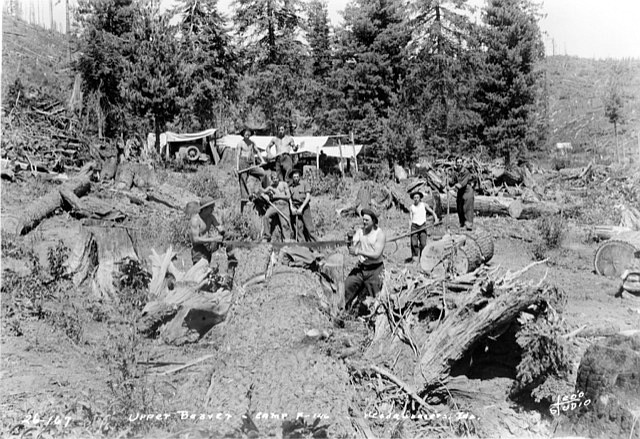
[(328, 145)]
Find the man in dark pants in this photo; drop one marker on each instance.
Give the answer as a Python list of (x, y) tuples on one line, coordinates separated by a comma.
[(463, 183), (368, 244), (301, 221), (246, 153), (203, 245), (284, 146)]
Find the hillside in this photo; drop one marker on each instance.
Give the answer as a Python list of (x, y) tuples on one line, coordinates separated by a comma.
[(35, 55), (577, 88)]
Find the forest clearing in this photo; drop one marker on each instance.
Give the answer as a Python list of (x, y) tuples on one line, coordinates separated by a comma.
[(527, 325)]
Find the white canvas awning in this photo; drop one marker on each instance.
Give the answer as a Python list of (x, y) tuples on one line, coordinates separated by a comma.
[(308, 144)]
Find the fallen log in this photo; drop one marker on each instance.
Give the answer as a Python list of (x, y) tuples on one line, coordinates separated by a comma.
[(520, 210), (608, 232), (477, 317), (483, 205), (46, 205)]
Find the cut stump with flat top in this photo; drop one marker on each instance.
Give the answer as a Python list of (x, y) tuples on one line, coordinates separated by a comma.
[(615, 256)]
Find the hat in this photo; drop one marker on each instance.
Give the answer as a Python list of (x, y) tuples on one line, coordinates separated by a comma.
[(247, 129), (417, 193), (371, 213), (206, 202)]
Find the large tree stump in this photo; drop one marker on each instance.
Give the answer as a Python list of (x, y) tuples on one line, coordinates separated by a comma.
[(34, 212), (618, 254), (609, 379), (475, 318), (114, 244)]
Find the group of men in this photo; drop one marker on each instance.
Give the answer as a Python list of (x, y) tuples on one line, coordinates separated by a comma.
[(289, 209), (286, 196)]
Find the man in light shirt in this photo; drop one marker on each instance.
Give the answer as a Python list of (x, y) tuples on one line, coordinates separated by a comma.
[(418, 211), (367, 244), (284, 146)]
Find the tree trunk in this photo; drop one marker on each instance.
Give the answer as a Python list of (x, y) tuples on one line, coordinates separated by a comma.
[(114, 244), (520, 210), (473, 320), (483, 205), (46, 205)]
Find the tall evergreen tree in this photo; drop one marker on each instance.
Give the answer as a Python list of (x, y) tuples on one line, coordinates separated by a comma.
[(508, 90), (318, 36), (444, 73), (151, 78), (209, 69), (274, 59), (370, 67), (106, 29)]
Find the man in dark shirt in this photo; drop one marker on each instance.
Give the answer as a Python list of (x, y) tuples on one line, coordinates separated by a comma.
[(300, 211), (463, 183)]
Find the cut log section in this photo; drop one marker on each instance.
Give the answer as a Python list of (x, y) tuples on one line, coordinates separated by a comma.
[(467, 258), (615, 256), (483, 241), (434, 256), (520, 210), (608, 232)]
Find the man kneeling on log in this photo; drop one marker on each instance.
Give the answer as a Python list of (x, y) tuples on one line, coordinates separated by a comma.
[(368, 244), (204, 245)]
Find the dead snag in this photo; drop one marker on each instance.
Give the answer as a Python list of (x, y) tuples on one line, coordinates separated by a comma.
[(478, 316), (46, 205), (114, 244)]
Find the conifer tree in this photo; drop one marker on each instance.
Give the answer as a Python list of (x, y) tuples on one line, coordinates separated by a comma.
[(511, 77)]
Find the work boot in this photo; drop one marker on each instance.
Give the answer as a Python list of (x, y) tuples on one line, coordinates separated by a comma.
[(469, 227), (408, 260)]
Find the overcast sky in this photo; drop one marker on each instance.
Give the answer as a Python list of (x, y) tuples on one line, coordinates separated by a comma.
[(585, 28)]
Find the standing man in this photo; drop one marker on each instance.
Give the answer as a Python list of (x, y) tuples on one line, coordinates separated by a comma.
[(300, 210), (367, 244), (200, 226), (284, 146), (278, 197), (465, 194), (246, 153), (418, 212)]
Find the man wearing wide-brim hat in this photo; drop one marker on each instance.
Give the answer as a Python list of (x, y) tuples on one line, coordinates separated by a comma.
[(200, 226), (418, 212)]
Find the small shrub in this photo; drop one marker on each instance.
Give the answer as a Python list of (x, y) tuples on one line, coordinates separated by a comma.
[(57, 256), (331, 185), (203, 183), (551, 230), (538, 250), (132, 283), (545, 352), (559, 163)]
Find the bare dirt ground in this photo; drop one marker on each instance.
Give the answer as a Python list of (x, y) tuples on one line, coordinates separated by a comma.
[(108, 382)]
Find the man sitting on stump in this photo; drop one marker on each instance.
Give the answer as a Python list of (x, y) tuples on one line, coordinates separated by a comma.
[(463, 183), (300, 210), (277, 196), (367, 244)]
